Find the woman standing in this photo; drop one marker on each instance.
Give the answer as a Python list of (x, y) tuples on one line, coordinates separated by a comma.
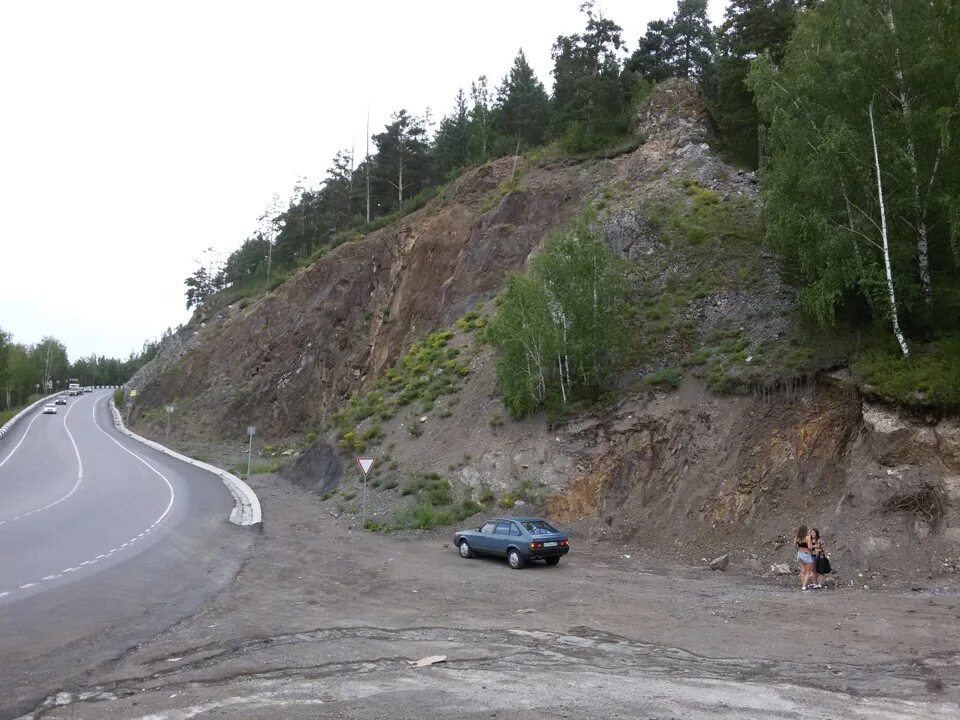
[(817, 551), (805, 557)]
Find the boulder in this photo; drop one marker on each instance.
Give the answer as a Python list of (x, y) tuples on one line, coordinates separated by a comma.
[(780, 569), (720, 563), (317, 468)]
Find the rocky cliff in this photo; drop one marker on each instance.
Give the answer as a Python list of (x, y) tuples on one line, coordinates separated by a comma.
[(757, 438)]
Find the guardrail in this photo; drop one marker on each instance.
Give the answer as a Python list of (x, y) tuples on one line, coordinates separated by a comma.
[(246, 510), (8, 425)]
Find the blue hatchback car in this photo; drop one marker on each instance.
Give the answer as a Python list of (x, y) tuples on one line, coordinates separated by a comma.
[(519, 539)]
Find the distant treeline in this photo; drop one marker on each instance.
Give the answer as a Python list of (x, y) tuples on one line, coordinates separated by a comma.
[(597, 85), (26, 370)]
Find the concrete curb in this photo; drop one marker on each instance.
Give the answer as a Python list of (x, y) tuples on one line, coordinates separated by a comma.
[(8, 426), (246, 510)]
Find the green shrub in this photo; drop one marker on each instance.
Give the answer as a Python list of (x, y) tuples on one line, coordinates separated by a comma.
[(928, 379), (415, 429), (667, 377), (117, 399), (348, 495)]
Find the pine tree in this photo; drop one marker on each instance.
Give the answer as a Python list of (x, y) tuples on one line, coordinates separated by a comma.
[(523, 103), (588, 99)]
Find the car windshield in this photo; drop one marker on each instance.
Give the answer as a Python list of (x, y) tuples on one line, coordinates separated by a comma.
[(538, 527)]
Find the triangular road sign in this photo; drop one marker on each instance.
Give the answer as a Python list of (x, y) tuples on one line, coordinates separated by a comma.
[(365, 464)]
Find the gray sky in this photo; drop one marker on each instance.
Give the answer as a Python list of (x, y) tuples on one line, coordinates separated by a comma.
[(135, 134)]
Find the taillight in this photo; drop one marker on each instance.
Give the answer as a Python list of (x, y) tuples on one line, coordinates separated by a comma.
[(536, 546), (564, 542)]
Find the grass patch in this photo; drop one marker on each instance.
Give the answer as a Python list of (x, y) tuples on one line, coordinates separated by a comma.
[(931, 378), (665, 378), (266, 468)]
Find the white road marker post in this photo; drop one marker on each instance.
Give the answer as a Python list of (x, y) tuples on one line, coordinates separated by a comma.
[(251, 431), (169, 413), (365, 465)]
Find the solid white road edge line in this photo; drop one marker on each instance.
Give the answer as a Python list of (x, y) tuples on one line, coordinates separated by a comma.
[(76, 485), (8, 426), (246, 509), (131, 541)]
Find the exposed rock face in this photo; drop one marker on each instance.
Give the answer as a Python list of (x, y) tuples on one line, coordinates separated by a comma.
[(316, 468), (293, 356), (706, 472)]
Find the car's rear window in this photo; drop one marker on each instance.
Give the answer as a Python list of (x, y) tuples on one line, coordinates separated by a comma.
[(538, 527)]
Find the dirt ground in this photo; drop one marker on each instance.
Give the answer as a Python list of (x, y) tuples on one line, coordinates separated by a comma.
[(324, 617)]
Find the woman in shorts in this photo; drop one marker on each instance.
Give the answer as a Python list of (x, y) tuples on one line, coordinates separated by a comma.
[(804, 557), (816, 550)]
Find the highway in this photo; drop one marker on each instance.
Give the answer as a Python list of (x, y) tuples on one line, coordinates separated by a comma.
[(103, 543)]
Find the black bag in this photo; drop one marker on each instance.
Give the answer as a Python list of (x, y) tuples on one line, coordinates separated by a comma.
[(822, 565)]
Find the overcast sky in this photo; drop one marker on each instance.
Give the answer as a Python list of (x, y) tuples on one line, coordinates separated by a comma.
[(135, 134)]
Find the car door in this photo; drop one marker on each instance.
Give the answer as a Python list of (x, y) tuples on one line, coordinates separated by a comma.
[(501, 537), (483, 540)]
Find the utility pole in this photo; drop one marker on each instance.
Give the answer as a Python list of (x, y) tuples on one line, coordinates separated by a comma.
[(368, 164), (251, 431)]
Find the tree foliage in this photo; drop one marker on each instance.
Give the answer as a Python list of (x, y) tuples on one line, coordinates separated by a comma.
[(589, 105), (26, 370), (560, 327), (849, 63)]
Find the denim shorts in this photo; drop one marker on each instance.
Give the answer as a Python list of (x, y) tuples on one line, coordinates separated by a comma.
[(804, 557)]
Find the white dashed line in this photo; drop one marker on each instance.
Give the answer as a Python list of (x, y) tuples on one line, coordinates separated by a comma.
[(130, 542), (76, 485)]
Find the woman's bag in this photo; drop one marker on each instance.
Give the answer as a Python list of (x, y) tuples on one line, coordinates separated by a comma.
[(822, 564)]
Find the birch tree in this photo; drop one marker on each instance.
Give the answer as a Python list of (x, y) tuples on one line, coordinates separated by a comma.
[(561, 327), (858, 179)]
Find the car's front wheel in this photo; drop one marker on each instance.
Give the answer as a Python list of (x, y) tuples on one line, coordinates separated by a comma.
[(465, 551), (552, 560), (515, 559)]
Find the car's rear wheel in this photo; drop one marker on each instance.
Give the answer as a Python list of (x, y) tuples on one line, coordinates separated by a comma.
[(465, 551), (552, 560), (515, 559)]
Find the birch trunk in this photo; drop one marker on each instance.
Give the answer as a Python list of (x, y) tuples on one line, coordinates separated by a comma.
[(886, 245), (923, 255)]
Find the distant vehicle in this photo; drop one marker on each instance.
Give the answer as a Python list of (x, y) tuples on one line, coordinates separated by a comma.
[(88, 389), (61, 400), (74, 386), (50, 409), (520, 540)]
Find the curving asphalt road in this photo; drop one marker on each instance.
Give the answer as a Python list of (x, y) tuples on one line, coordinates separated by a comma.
[(103, 543)]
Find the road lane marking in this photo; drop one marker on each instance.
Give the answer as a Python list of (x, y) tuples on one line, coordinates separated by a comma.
[(10, 455), (130, 542), (76, 485)]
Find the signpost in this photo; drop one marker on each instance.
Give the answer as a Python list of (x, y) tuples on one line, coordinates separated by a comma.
[(365, 465), (169, 413), (251, 431)]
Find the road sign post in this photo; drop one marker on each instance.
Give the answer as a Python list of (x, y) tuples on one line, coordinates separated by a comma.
[(365, 465), (251, 431), (169, 413)]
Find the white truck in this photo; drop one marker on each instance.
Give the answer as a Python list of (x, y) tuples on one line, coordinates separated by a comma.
[(74, 387)]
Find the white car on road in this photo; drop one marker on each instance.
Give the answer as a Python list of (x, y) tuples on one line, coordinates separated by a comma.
[(49, 409)]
